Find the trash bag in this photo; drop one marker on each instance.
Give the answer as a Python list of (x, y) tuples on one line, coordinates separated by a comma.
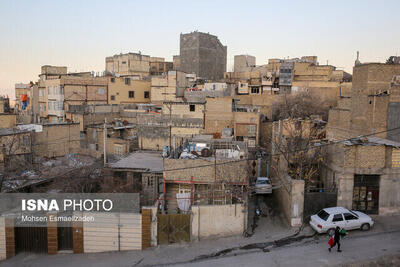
[(331, 241)]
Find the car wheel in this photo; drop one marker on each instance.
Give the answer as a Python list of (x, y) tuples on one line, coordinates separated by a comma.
[(365, 227), (331, 232)]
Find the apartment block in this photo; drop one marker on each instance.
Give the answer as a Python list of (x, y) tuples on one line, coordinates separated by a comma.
[(202, 54), (126, 90)]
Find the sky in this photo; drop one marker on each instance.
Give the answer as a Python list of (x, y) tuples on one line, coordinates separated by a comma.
[(80, 34)]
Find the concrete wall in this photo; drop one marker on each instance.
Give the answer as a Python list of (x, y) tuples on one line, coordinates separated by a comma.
[(344, 162), (218, 221), (243, 63), (120, 91), (290, 197), (57, 140), (103, 234), (225, 170), (8, 120)]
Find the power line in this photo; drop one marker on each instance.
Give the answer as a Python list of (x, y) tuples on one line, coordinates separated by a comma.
[(289, 152)]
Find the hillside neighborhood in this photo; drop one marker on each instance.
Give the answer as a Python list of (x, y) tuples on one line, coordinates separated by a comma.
[(224, 167)]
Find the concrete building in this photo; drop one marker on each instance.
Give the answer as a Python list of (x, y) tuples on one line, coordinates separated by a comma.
[(73, 90), (372, 105), (16, 148), (365, 170), (129, 64), (121, 139), (142, 171), (158, 66), (178, 121), (202, 54), (244, 63), (4, 105), (125, 90), (88, 115), (365, 173), (223, 113), (168, 87), (176, 62), (218, 184), (56, 139)]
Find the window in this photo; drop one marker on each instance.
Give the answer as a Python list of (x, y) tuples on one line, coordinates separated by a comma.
[(251, 130), (118, 149), (192, 108), (255, 90), (123, 62), (323, 215), (131, 94), (146, 94), (26, 140), (113, 80), (127, 81), (349, 216), (113, 97), (100, 91), (337, 218)]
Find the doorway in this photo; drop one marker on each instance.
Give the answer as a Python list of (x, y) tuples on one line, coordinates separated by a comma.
[(366, 193)]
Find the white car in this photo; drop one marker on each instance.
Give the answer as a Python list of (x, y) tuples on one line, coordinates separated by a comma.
[(263, 185), (326, 220)]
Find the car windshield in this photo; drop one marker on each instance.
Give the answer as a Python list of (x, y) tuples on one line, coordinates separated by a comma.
[(323, 215), (352, 212), (263, 182)]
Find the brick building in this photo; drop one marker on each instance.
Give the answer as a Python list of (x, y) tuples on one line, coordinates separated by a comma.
[(202, 54), (365, 171)]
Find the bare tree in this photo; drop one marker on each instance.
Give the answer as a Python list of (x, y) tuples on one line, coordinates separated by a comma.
[(300, 105)]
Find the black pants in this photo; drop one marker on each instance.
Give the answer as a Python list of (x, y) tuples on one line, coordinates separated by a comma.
[(338, 244)]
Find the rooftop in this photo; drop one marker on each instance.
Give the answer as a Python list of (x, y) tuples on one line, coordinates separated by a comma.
[(144, 161), (11, 131), (371, 141)]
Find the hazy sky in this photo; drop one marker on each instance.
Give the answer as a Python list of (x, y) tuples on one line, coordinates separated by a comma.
[(80, 34)]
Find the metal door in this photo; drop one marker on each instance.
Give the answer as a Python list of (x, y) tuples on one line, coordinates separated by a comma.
[(31, 239), (173, 228), (366, 193), (64, 237)]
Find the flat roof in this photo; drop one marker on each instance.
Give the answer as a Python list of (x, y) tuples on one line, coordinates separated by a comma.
[(140, 161), (371, 141), (11, 131)]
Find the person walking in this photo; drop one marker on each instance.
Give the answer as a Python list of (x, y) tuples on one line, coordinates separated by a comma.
[(336, 240)]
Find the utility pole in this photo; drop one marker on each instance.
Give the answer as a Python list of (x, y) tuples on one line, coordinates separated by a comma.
[(105, 141)]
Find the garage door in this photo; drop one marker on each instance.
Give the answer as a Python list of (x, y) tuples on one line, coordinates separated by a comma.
[(31, 239)]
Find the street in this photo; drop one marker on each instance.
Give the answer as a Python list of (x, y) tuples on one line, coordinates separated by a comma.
[(366, 247), (305, 249)]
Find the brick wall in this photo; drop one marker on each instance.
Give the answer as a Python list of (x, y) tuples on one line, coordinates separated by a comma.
[(225, 170)]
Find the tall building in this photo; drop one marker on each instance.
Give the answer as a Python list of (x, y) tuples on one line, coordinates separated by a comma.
[(244, 63), (202, 54)]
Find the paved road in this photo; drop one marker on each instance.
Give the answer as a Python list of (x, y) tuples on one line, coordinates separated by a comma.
[(315, 253), (382, 240)]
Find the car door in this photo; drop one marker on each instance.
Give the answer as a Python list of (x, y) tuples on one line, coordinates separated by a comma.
[(352, 222), (338, 220)]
